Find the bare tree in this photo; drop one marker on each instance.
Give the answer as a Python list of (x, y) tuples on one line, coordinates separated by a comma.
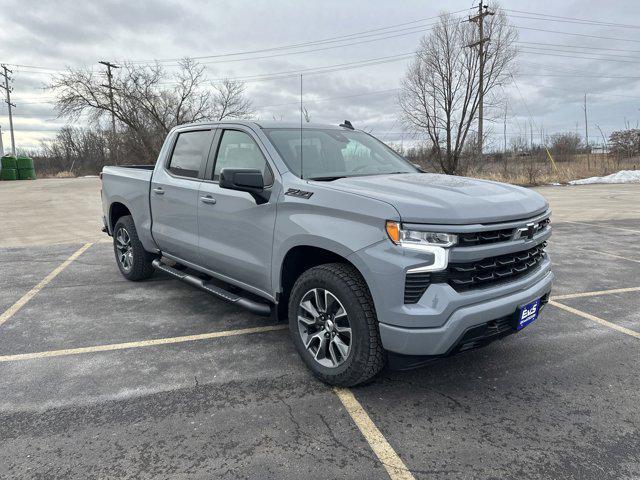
[(73, 150), (625, 142), (230, 101), (565, 145), (148, 102), (440, 92)]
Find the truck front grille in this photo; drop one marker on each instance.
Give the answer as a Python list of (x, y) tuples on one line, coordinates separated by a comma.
[(471, 239), (483, 238), (473, 275), (488, 271)]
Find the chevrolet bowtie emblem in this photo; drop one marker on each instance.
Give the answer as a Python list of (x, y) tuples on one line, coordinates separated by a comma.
[(525, 232)]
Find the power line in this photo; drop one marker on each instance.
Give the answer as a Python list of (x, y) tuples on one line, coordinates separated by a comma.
[(578, 47), (299, 45), (573, 52), (577, 22), (343, 97), (312, 50), (577, 75), (551, 68), (559, 54), (37, 67), (623, 25), (321, 70), (617, 39), (418, 29)]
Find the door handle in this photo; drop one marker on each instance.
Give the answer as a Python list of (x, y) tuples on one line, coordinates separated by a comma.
[(158, 191), (208, 199)]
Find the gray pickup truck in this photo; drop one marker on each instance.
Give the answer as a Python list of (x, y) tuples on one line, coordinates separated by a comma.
[(369, 259)]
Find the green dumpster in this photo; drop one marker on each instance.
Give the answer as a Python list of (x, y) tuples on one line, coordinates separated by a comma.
[(9, 174)]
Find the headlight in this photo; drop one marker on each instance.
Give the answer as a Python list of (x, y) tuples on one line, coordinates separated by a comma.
[(415, 238), (433, 243)]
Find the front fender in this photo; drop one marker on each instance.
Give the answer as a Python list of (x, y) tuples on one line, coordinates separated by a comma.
[(339, 222)]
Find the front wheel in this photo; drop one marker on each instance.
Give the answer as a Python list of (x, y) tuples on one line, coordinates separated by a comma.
[(133, 260), (333, 324)]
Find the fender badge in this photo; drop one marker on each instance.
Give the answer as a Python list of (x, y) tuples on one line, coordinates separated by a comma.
[(294, 192)]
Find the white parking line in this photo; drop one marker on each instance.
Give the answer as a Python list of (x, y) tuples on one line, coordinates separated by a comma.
[(609, 254), (599, 320), (390, 460), (11, 311), (138, 344), (604, 226), (596, 293)]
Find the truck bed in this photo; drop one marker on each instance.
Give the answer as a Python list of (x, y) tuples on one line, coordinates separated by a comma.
[(129, 185)]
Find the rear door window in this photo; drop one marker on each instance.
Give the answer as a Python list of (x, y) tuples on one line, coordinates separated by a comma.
[(189, 153)]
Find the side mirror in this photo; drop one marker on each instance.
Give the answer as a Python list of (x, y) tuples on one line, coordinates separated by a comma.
[(248, 180)]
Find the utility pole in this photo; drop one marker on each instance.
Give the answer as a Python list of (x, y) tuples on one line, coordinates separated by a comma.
[(530, 136), (586, 132), (483, 11), (109, 66), (504, 129), (6, 86), (586, 123)]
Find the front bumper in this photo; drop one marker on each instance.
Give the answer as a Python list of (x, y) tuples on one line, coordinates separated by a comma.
[(441, 340)]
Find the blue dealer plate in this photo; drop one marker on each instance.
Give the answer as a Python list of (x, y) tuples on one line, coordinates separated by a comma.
[(528, 313)]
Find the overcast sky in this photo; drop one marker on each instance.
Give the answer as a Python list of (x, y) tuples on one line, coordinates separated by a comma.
[(54, 34)]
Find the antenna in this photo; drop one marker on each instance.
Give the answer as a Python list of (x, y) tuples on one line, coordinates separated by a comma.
[(301, 164)]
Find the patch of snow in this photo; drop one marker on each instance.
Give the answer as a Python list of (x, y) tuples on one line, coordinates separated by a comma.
[(623, 176), (90, 176)]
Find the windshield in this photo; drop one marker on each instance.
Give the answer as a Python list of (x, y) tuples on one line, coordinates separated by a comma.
[(329, 154)]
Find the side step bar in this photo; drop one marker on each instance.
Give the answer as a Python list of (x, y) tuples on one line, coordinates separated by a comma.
[(251, 305)]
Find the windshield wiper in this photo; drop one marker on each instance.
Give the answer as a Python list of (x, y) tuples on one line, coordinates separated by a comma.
[(326, 179)]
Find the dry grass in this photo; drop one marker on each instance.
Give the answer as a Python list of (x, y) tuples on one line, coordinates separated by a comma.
[(64, 174), (530, 171)]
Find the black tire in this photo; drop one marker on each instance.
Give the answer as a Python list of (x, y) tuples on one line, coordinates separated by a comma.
[(366, 357), (138, 266)]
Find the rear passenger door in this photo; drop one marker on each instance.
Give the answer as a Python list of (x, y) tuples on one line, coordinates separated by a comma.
[(235, 233), (174, 194)]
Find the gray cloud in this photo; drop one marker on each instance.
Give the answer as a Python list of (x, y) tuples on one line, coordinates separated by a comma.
[(58, 33)]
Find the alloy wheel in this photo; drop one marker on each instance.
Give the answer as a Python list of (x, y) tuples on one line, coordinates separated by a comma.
[(324, 327), (124, 251)]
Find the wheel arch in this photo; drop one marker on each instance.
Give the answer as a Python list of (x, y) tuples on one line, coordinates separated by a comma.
[(299, 259), (116, 211)]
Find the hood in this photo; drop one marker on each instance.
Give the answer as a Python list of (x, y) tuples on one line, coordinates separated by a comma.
[(445, 199)]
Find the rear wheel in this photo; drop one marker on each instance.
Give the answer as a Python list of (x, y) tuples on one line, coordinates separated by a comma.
[(133, 260), (333, 324)]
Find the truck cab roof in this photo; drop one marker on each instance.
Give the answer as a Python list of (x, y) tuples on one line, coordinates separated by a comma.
[(267, 124)]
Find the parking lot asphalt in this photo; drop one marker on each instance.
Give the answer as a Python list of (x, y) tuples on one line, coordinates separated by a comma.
[(103, 378)]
